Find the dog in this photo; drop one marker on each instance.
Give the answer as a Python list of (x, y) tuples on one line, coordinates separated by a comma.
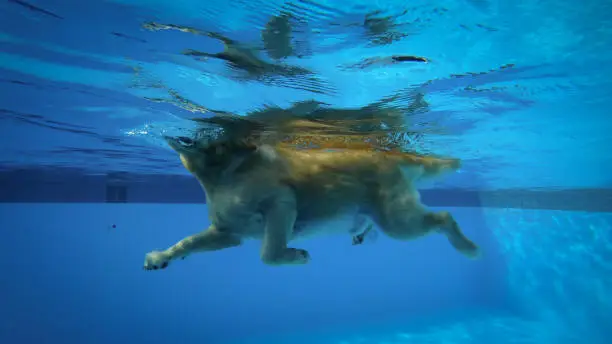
[(266, 188)]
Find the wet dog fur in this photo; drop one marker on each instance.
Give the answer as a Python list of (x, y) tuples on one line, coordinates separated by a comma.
[(276, 193)]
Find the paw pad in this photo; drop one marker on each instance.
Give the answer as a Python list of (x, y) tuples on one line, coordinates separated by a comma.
[(302, 255), (155, 261)]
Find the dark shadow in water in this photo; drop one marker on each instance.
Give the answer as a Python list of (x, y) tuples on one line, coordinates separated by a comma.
[(35, 9), (241, 57)]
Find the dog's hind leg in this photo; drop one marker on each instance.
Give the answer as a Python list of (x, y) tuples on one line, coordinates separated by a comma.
[(362, 230), (211, 239), (444, 222), (280, 214), (400, 214)]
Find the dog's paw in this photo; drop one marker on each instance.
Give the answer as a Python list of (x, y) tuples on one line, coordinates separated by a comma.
[(156, 260), (301, 256)]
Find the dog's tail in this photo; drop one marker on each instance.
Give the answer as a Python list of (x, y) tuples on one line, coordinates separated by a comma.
[(421, 166)]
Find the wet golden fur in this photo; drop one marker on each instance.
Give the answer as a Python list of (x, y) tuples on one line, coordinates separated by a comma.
[(263, 187)]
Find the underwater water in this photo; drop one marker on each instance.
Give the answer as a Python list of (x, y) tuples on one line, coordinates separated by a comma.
[(519, 91)]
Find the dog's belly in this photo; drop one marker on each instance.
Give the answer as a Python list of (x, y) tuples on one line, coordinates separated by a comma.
[(342, 223)]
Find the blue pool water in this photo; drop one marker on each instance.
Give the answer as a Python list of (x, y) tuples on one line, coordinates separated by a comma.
[(520, 91), (69, 278)]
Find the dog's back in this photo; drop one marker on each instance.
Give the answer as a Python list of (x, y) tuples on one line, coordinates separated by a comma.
[(327, 182)]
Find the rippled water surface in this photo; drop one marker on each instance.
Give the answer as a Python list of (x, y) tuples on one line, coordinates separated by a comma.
[(518, 90)]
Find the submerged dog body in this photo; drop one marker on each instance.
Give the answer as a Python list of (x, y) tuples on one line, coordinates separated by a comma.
[(278, 194)]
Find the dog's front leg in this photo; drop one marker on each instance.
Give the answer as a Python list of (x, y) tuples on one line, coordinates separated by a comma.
[(280, 213), (209, 240)]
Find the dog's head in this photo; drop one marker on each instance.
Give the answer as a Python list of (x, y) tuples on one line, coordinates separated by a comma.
[(209, 156), (187, 148), (216, 144)]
